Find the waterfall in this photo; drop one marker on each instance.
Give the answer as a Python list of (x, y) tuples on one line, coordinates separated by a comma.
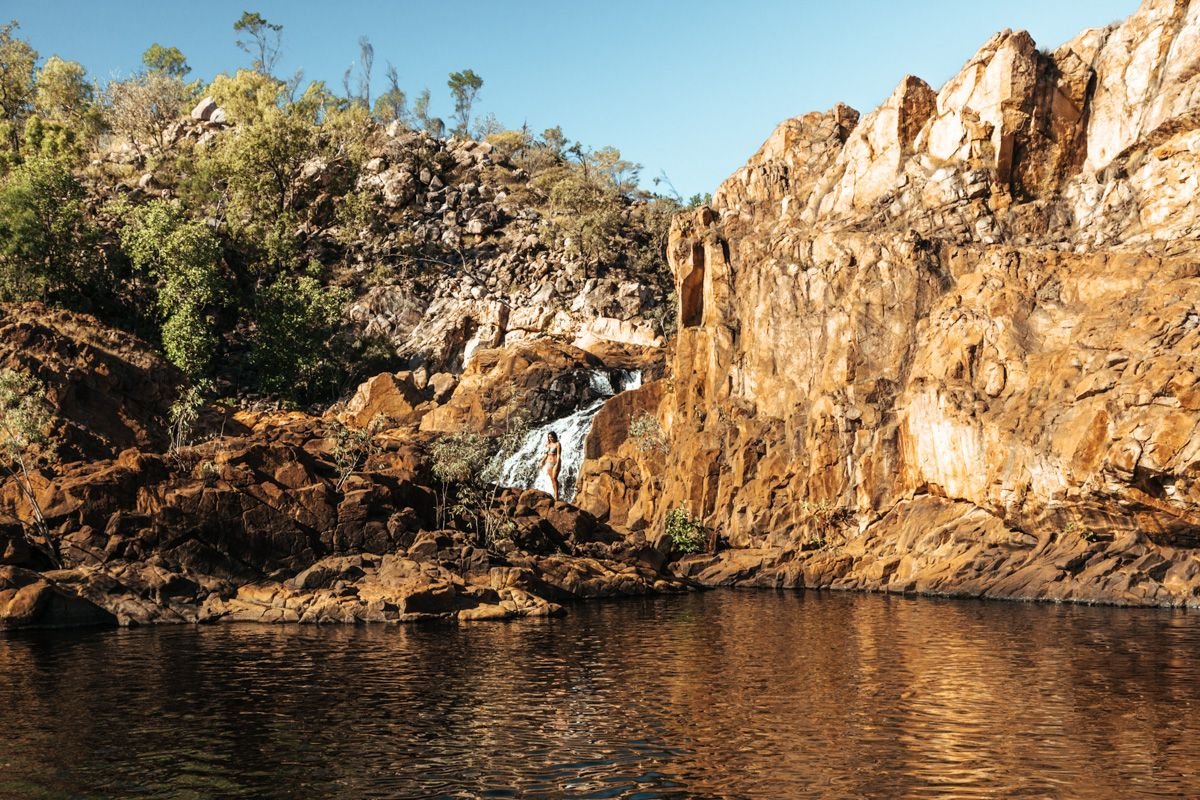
[(520, 470)]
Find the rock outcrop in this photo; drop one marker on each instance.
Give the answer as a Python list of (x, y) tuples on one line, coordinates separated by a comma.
[(263, 520), (950, 346), (110, 390), (465, 198)]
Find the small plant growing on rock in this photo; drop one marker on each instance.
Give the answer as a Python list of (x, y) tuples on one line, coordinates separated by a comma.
[(24, 418), (648, 434), (352, 447), (684, 531), (824, 511), (184, 413), (210, 473), (457, 460), (1073, 528), (470, 464)]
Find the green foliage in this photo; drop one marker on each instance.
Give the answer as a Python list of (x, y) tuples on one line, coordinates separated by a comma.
[(352, 448), (167, 60), (393, 103), (24, 415), (698, 200), (469, 464), (293, 348), (261, 39), (17, 61), (1074, 529), (423, 118), (52, 140), (253, 174), (246, 95), (585, 215), (46, 243), (142, 108), (24, 420), (464, 87), (648, 434), (184, 257), (64, 97), (456, 460), (184, 413), (684, 531)]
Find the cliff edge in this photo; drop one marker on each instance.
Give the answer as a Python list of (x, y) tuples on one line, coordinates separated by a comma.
[(949, 346)]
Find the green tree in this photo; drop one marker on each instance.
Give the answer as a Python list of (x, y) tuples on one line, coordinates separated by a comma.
[(620, 174), (167, 60), (464, 87), (264, 40), (17, 61), (184, 257), (46, 243), (427, 121), (586, 215), (292, 349), (392, 104), (24, 419), (247, 96), (253, 175), (64, 97), (143, 107)]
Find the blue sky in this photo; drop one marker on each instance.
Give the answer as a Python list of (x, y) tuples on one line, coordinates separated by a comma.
[(686, 87)]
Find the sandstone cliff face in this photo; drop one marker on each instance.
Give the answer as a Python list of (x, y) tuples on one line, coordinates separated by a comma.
[(952, 345)]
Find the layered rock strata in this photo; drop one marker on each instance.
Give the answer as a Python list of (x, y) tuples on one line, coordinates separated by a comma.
[(952, 345)]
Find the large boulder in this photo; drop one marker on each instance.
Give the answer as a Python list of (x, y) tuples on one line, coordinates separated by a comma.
[(28, 600)]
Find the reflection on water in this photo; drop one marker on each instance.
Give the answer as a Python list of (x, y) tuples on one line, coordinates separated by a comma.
[(728, 694)]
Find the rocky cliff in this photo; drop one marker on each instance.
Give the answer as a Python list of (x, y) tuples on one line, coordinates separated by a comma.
[(260, 520), (950, 345)]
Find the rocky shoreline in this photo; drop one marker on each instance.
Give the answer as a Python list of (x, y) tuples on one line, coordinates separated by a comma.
[(948, 347)]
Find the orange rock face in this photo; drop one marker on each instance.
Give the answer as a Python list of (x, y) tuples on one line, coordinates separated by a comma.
[(951, 346)]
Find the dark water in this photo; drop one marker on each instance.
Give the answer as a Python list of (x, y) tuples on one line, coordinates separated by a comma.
[(722, 695)]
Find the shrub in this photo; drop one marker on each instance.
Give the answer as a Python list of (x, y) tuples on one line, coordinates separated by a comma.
[(184, 257), (184, 413), (24, 419), (684, 531), (648, 434), (292, 349), (46, 242), (353, 447)]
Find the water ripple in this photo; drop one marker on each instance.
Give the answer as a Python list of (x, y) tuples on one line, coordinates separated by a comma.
[(725, 695)]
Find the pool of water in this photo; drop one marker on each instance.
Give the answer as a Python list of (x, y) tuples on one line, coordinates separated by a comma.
[(726, 694)]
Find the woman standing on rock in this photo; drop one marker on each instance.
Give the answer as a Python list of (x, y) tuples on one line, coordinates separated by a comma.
[(552, 460)]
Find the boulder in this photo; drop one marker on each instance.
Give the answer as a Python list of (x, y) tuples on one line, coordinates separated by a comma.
[(28, 600), (204, 110), (392, 397)]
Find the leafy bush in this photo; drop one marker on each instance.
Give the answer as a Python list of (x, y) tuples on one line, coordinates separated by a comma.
[(648, 434), (684, 531), (24, 420), (293, 346), (46, 242), (353, 447), (184, 257)]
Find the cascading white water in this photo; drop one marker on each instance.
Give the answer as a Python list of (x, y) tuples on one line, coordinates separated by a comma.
[(520, 470)]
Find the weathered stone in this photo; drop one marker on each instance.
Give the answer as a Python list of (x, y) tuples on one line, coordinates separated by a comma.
[(204, 110)]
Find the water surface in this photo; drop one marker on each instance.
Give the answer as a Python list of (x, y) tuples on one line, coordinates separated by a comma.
[(728, 694)]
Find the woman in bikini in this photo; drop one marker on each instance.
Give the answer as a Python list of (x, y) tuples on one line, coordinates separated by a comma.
[(552, 461)]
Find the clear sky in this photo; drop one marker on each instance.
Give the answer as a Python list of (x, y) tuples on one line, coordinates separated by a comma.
[(686, 87)]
